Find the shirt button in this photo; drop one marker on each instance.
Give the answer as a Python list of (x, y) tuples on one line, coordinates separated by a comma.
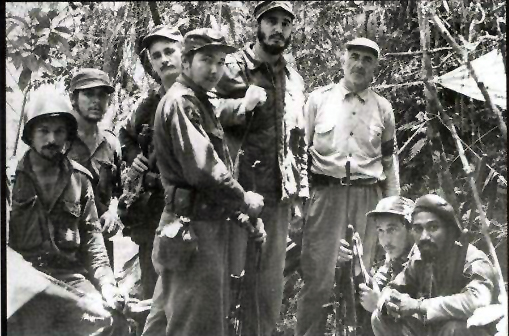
[(351, 133), (353, 113)]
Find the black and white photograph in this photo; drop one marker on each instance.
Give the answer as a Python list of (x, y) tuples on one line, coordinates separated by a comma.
[(255, 168)]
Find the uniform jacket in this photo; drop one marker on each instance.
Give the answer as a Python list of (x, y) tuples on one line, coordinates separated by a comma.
[(64, 236), (104, 164), (450, 295), (191, 152), (275, 130)]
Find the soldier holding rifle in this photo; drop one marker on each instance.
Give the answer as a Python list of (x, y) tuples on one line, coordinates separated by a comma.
[(345, 122), (141, 207)]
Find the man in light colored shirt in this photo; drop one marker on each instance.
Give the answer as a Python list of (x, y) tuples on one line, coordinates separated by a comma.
[(346, 121)]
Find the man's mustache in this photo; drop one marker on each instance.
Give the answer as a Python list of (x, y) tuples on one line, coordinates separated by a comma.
[(427, 245), (50, 147), (277, 35)]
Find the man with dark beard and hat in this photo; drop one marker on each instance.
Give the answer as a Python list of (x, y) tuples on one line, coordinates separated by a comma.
[(263, 110), (446, 280), (95, 148)]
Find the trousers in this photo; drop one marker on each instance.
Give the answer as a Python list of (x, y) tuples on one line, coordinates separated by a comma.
[(196, 297), (324, 226), (410, 326), (263, 289), (155, 324), (50, 316)]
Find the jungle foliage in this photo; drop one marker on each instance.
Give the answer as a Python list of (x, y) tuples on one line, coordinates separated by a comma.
[(47, 41)]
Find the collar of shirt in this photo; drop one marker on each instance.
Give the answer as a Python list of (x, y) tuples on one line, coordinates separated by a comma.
[(25, 165), (253, 61), (66, 168), (362, 96)]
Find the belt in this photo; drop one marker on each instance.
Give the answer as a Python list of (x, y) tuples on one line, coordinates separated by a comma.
[(320, 179)]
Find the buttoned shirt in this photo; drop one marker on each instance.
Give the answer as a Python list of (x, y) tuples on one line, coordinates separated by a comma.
[(358, 127), (64, 235), (104, 164)]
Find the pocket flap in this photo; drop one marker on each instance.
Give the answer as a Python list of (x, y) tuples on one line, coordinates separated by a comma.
[(324, 127)]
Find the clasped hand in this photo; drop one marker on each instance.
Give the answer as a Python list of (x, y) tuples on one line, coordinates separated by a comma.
[(400, 304)]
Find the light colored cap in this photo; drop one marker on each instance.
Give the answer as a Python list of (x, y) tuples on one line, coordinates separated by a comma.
[(366, 43)]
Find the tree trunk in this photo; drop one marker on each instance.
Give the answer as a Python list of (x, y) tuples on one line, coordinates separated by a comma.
[(437, 148)]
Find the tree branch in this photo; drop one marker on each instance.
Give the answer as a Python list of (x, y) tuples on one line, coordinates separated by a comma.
[(416, 53), (439, 24), (156, 17)]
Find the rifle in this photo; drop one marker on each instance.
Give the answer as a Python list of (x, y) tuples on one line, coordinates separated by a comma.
[(346, 315), (133, 183)]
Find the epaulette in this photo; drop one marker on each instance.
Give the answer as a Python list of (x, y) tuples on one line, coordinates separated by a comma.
[(76, 166)]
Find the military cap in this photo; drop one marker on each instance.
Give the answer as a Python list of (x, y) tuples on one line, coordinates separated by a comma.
[(265, 6), (171, 33), (205, 37), (88, 78), (366, 43), (440, 207), (397, 205)]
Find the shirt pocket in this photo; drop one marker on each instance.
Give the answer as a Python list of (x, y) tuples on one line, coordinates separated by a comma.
[(66, 224), (323, 138), (25, 231), (375, 136)]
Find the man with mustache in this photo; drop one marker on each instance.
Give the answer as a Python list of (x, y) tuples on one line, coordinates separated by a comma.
[(54, 226), (200, 193), (392, 217), (444, 282), (95, 148), (264, 113), (163, 45), (345, 122)]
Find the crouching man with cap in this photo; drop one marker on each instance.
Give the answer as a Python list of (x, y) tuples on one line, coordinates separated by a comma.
[(200, 193), (54, 226), (445, 281), (392, 217)]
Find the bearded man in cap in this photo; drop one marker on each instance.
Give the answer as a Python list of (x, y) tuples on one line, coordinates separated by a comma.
[(263, 106), (200, 193), (345, 122), (444, 282), (163, 45), (54, 226), (95, 148)]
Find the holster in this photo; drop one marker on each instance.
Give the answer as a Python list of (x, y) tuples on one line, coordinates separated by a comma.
[(175, 243)]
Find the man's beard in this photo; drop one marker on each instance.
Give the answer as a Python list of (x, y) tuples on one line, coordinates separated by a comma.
[(271, 49), (56, 157), (428, 250), (91, 119)]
